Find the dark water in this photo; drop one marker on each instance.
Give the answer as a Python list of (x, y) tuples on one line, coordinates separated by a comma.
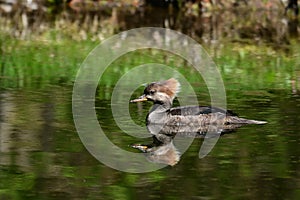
[(42, 156)]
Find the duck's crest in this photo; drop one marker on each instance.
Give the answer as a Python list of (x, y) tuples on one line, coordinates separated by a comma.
[(173, 87)]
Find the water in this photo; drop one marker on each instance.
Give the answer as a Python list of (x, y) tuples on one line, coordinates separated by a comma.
[(42, 156)]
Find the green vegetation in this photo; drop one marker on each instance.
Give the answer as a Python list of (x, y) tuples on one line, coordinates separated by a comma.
[(258, 67), (36, 64)]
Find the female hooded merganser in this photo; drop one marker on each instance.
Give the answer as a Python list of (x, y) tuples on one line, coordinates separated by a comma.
[(162, 95)]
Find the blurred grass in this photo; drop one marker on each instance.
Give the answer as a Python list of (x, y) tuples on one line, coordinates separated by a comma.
[(36, 64), (39, 63), (254, 67)]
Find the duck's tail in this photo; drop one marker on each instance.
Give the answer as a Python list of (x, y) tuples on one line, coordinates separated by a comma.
[(238, 120)]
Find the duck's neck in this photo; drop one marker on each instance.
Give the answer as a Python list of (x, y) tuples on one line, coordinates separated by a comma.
[(161, 107), (158, 113)]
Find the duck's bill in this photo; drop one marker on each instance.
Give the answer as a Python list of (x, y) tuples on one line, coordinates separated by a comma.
[(141, 147), (140, 99)]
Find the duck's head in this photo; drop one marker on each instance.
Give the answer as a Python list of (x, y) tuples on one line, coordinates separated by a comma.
[(162, 92)]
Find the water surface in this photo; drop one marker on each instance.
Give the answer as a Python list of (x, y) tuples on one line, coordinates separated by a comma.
[(43, 157)]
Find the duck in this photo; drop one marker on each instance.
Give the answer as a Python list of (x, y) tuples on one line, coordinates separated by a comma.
[(163, 93)]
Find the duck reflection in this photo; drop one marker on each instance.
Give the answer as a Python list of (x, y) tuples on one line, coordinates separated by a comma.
[(162, 149)]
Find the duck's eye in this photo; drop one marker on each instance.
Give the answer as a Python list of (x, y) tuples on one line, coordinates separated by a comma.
[(152, 92)]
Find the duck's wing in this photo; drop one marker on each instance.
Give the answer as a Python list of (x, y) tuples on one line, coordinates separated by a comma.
[(197, 110)]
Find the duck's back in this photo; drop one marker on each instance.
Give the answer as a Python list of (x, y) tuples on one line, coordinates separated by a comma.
[(199, 110), (207, 115)]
